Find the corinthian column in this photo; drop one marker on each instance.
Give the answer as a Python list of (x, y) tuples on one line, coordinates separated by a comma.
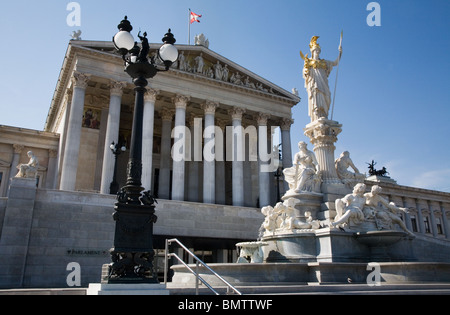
[(112, 135), (164, 169), (238, 154), (147, 138), (286, 146), (72, 148), (179, 167), (264, 175), (209, 163)]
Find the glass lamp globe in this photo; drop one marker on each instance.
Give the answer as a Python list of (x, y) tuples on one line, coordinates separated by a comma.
[(124, 41), (168, 53)]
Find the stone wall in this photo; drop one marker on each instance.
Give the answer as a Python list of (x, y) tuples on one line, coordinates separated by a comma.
[(42, 231), (2, 212), (49, 229)]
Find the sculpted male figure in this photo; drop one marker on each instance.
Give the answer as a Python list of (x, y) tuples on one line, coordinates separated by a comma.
[(316, 72), (385, 216), (342, 164), (349, 209), (28, 170)]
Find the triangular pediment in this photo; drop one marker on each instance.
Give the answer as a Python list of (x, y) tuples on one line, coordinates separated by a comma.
[(199, 61)]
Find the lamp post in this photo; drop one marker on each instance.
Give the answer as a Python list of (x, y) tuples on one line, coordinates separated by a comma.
[(279, 172), (132, 255), (116, 149)]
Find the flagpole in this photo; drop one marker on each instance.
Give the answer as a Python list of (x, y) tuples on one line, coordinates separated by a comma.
[(337, 74), (189, 22)]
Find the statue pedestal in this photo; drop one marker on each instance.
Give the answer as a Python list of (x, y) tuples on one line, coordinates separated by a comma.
[(323, 134), (381, 179), (306, 202)]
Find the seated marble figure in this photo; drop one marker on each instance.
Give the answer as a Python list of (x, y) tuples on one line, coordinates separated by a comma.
[(28, 170)]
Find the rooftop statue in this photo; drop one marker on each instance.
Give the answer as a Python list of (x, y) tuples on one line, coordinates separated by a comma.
[(375, 172), (316, 72), (28, 170)]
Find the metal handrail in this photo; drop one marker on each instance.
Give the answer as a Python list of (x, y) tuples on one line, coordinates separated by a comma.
[(196, 274)]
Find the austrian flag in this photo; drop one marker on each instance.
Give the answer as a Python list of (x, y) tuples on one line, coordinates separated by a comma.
[(195, 17)]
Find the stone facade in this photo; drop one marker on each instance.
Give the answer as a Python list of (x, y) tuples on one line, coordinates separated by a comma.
[(66, 216), (44, 230), (93, 106), (14, 145)]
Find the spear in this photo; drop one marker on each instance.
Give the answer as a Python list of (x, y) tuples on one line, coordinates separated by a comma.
[(337, 74)]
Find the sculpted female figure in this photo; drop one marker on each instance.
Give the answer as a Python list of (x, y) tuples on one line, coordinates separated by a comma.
[(302, 176), (315, 73)]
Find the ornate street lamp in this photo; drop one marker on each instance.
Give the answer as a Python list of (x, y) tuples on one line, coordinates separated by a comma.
[(116, 149), (132, 255)]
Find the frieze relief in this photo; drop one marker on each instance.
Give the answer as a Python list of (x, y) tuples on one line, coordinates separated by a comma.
[(200, 64)]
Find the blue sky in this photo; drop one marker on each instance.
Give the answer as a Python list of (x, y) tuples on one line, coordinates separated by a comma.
[(393, 89)]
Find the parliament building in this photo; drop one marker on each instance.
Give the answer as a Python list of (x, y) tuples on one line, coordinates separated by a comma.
[(66, 215)]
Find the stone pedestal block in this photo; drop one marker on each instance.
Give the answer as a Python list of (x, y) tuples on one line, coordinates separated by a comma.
[(14, 240)]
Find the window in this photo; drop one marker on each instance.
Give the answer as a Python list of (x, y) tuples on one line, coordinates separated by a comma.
[(414, 223), (426, 222), (439, 226), (1, 178)]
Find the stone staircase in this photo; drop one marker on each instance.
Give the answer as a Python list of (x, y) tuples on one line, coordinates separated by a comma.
[(326, 289), (280, 289)]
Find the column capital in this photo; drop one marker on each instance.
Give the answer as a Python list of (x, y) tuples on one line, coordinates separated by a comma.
[(167, 114), (222, 123), (262, 119), (190, 119), (80, 80), (323, 132), (286, 124), (117, 87), (52, 153), (236, 113), (210, 107), (151, 95), (181, 101), (68, 96), (18, 148)]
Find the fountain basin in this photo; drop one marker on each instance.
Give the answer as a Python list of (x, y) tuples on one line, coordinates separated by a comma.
[(379, 241)]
